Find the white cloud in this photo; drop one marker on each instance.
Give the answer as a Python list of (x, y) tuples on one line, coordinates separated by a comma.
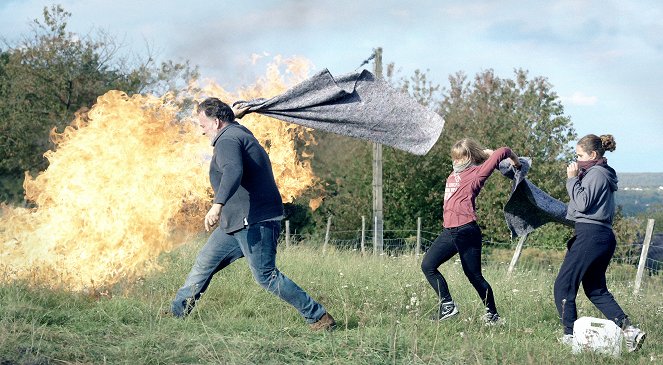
[(580, 99)]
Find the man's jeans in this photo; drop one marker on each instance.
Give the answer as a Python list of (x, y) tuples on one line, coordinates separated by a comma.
[(257, 243)]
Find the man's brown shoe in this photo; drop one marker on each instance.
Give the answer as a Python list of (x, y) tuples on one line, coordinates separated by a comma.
[(326, 322)]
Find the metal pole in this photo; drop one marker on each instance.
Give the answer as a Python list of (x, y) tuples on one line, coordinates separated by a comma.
[(643, 256), (377, 175)]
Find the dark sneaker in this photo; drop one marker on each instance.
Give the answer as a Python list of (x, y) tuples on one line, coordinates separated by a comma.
[(326, 322), (634, 338), (447, 310), (492, 319)]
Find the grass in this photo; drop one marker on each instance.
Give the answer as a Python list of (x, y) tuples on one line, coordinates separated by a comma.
[(381, 304)]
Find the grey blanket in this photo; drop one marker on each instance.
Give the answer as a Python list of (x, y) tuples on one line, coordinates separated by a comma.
[(356, 105), (529, 207)]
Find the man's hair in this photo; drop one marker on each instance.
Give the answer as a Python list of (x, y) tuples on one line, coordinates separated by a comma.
[(215, 108)]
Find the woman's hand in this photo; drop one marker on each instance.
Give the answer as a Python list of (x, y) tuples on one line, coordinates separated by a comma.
[(515, 161), (572, 170)]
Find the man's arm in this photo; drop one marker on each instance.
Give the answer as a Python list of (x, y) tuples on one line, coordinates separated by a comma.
[(231, 167)]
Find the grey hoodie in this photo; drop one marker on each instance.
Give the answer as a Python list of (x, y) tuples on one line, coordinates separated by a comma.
[(593, 197)]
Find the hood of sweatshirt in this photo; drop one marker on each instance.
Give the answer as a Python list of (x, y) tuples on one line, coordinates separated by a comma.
[(609, 173)]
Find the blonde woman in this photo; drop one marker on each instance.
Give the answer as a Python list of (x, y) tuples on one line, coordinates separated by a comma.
[(472, 165)]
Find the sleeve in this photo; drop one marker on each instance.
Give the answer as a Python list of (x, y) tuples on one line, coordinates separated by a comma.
[(487, 168), (586, 193), (231, 167)]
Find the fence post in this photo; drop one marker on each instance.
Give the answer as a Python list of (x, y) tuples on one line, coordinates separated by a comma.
[(363, 235), (287, 233), (375, 242), (378, 227), (643, 256), (516, 254), (417, 249), (324, 247)]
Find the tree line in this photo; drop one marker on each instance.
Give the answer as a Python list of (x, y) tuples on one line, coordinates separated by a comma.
[(52, 73), (521, 112)]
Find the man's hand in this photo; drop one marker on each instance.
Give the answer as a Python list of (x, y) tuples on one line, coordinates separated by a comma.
[(572, 170), (212, 217), (239, 110)]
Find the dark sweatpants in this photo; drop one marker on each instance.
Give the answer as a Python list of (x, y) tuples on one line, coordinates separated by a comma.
[(586, 261), (466, 241)]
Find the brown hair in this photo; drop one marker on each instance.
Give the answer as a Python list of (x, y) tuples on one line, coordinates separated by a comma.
[(591, 142), (468, 148), (215, 108)]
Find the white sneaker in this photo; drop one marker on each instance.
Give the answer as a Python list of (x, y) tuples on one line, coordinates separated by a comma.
[(492, 319), (566, 340), (634, 338)]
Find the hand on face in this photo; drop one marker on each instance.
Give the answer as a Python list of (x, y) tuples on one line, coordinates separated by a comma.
[(572, 170)]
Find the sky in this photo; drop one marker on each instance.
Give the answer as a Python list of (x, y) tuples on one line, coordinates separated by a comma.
[(602, 57)]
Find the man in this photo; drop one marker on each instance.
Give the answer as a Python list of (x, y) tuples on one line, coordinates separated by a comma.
[(248, 209)]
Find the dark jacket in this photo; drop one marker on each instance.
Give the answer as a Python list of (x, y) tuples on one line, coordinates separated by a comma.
[(593, 197), (242, 178)]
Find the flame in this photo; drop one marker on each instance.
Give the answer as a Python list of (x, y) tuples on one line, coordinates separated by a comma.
[(126, 177)]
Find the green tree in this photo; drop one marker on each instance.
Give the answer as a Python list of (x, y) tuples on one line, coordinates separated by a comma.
[(51, 74), (522, 113)]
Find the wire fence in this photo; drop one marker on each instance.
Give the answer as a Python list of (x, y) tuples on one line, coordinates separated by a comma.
[(534, 256)]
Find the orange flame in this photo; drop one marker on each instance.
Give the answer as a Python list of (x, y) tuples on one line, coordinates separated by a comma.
[(125, 178)]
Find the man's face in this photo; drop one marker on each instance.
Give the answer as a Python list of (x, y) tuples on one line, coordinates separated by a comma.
[(209, 125)]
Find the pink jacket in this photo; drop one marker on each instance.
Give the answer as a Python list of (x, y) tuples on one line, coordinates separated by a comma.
[(462, 189)]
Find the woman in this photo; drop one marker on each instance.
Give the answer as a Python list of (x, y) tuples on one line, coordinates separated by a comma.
[(591, 186), (472, 165)]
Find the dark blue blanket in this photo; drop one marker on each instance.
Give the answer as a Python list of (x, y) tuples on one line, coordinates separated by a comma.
[(529, 207)]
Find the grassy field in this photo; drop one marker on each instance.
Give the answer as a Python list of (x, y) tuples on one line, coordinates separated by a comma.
[(381, 304)]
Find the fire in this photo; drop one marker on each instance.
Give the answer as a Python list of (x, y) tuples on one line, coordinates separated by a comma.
[(126, 178)]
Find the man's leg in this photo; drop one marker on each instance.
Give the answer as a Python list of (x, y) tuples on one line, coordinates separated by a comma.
[(258, 242), (220, 250)]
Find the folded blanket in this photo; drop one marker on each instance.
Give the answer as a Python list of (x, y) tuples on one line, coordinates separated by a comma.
[(529, 207), (356, 105)]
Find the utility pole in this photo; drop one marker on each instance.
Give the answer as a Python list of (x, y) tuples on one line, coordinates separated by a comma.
[(378, 219)]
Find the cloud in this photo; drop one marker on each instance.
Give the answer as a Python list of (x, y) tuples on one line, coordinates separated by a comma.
[(579, 99)]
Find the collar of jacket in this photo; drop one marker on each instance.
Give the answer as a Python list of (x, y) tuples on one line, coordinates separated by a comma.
[(222, 130)]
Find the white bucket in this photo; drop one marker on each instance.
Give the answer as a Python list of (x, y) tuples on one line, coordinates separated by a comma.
[(598, 335)]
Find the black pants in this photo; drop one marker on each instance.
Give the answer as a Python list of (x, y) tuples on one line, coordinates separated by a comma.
[(466, 241), (586, 262)]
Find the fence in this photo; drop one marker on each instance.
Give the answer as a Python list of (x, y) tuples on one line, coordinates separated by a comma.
[(641, 262)]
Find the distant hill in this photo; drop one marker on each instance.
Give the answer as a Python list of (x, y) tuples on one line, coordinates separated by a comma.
[(639, 191), (640, 179)]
